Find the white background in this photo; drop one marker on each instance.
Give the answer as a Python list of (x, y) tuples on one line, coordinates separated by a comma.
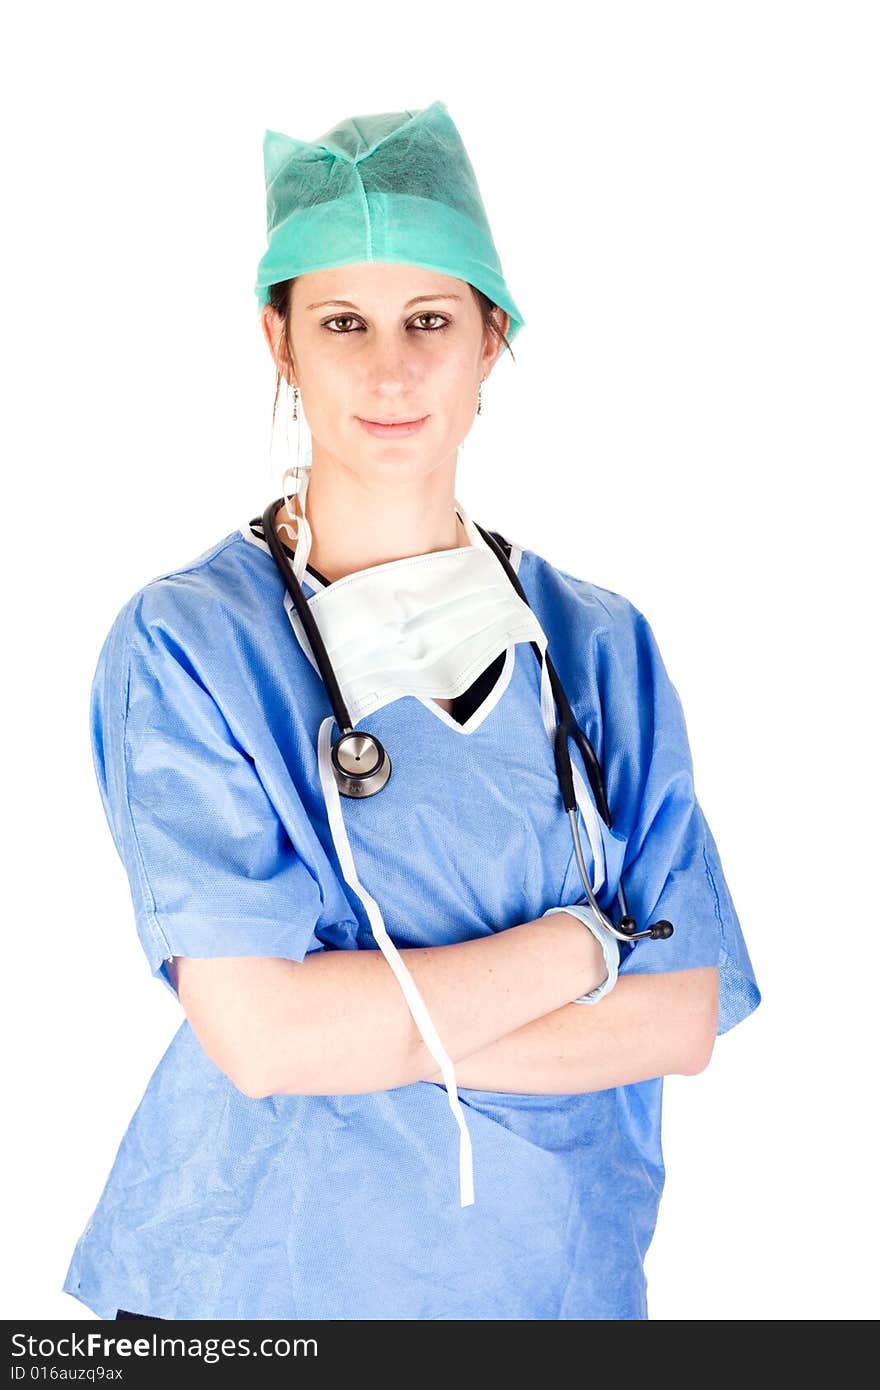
[(684, 198)]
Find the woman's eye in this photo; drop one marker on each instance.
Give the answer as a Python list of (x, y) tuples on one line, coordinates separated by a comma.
[(349, 318)]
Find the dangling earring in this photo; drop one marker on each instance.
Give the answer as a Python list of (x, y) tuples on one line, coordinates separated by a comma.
[(480, 399), (300, 481)]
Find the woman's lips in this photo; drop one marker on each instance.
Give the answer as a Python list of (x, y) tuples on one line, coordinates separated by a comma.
[(392, 431)]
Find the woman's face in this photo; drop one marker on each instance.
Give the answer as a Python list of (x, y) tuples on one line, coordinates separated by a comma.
[(394, 342)]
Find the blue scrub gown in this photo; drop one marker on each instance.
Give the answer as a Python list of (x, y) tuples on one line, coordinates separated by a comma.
[(204, 716)]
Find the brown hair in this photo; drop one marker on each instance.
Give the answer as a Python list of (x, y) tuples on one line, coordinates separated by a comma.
[(279, 298)]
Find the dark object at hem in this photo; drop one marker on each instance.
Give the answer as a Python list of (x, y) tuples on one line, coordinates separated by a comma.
[(147, 1317)]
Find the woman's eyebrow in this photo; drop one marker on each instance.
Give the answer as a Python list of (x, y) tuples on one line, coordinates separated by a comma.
[(347, 304)]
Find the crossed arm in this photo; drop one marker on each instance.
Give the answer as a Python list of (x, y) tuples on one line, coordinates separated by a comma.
[(337, 1022), (649, 1025)]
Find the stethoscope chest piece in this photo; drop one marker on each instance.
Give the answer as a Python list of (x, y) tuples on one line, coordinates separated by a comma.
[(360, 764)]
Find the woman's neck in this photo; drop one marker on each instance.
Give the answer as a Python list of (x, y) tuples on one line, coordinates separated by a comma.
[(378, 538)]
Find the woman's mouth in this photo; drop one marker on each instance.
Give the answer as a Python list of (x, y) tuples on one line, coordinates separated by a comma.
[(395, 429)]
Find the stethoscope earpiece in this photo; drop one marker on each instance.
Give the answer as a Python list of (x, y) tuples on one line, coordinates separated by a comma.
[(658, 931), (661, 930)]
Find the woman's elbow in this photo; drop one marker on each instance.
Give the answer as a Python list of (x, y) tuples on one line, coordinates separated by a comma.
[(702, 1020), (254, 1087), (699, 1058), (229, 1002), (244, 1071)]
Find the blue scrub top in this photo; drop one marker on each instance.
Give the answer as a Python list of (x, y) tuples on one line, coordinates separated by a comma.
[(205, 711)]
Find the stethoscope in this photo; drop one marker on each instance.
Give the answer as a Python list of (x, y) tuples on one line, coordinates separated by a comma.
[(362, 767)]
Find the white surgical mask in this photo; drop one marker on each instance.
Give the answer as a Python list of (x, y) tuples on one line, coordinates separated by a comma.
[(426, 625)]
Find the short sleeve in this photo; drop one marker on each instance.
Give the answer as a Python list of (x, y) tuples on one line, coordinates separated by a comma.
[(213, 869), (671, 865)]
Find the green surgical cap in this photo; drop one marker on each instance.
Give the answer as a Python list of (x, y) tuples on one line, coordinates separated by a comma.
[(395, 187)]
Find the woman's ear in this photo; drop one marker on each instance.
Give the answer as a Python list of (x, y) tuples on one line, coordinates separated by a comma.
[(273, 330), (495, 343)]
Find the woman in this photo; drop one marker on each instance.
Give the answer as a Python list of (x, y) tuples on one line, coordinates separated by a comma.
[(294, 1155)]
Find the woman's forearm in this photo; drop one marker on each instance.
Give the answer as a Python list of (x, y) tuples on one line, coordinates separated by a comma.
[(338, 1023), (648, 1025)]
